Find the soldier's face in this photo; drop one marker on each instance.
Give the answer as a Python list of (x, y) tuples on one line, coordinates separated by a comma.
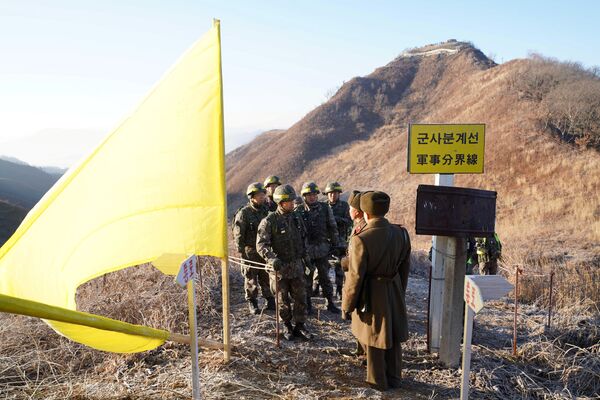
[(287, 206), (311, 198), (259, 198), (271, 188), (333, 197), (355, 213)]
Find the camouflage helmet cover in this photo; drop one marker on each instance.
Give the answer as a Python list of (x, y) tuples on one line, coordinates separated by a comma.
[(284, 193), (273, 179), (309, 187), (255, 187), (333, 187)]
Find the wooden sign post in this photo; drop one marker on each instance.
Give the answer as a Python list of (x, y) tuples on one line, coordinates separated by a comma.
[(445, 150), (185, 278), (478, 288)]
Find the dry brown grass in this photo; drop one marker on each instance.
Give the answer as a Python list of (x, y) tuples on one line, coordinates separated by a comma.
[(547, 205), (35, 362)]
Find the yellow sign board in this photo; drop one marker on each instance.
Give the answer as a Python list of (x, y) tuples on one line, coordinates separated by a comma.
[(446, 148)]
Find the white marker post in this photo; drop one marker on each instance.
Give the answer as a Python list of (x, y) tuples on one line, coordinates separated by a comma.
[(438, 274), (478, 288), (187, 273)]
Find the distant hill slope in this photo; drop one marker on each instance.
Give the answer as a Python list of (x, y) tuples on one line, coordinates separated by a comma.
[(548, 190), (10, 218), (23, 185)]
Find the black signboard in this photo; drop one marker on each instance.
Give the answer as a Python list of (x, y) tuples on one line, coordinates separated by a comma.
[(455, 211)]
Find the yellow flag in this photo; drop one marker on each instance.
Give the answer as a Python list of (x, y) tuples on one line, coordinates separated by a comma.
[(153, 191)]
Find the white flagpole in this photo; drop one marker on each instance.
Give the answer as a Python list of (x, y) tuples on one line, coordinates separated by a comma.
[(191, 292)]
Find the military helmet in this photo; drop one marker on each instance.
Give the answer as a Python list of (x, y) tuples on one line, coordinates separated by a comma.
[(309, 187), (273, 179), (284, 193), (255, 187), (333, 187)]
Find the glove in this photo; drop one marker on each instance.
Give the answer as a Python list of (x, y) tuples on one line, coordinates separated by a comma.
[(276, 264), (346, 316)]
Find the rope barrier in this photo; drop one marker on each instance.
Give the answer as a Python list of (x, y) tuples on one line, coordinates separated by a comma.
[(451, 256), (248, 261), (250, 264)]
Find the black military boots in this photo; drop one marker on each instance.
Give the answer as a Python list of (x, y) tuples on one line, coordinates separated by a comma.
[(301, 331)]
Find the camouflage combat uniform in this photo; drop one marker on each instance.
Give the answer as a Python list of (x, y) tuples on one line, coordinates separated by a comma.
[(322, 236), (245, 229), (472, 259), (489, 250), (282, 236), (341, 213)]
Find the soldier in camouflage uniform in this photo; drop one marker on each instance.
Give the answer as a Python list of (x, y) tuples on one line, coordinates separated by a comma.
[(323, 237), (489, 250), (271, 183), (472, 259), (341, 213), (245, 228), (281, 241)]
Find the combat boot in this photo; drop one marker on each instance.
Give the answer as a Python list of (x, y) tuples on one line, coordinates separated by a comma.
[(288, 331), (331, 306), (315, 290), (253, 306), (270, 304), (301, 332)]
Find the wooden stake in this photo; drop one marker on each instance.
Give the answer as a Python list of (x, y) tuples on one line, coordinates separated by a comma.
[(277, 312), (550, 299), (226, 327), (517, 271)]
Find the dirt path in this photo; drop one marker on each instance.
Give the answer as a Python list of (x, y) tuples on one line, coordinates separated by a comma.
[(321, 368), (324, 367), (39, 364)]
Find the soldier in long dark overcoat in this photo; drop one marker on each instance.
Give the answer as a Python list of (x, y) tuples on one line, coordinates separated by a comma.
[(374, 291)]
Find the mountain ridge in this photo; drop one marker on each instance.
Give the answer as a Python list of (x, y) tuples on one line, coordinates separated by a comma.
[(359, 137)]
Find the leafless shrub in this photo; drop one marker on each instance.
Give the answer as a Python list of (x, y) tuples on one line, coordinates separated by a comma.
[(568, 95), (573, 111)]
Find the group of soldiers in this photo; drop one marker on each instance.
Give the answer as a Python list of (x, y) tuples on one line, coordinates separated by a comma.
[(287, 239), (300, 238)]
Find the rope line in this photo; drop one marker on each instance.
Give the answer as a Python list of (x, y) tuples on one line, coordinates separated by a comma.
[(243, 263), (244, 260), (451, 256)]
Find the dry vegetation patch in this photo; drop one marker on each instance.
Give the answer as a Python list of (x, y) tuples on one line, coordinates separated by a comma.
[(37, 363)]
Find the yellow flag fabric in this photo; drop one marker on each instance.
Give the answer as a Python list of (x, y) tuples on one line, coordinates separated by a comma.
[(153, 191)]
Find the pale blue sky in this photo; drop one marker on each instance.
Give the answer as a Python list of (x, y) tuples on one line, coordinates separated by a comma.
[(70, 70)]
